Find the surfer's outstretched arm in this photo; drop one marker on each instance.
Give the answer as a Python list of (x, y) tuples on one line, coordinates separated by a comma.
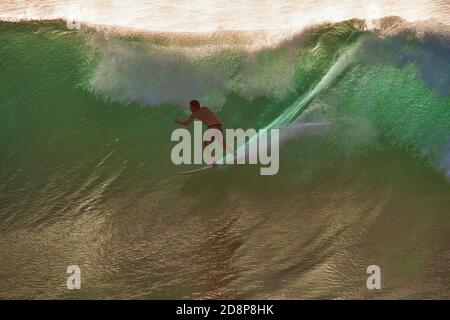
[(185, 122)]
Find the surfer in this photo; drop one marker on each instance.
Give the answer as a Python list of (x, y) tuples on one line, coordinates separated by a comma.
[(206, 116)]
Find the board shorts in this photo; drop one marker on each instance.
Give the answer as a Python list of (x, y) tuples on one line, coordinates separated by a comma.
[(217, 126)]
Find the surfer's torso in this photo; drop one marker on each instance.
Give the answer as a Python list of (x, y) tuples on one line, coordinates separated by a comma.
[(207, 117)]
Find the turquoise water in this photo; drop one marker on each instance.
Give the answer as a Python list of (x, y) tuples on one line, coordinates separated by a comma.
[(86, 175)]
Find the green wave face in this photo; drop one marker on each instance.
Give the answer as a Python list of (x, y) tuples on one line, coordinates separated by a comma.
[(67, 89), (85, 124)]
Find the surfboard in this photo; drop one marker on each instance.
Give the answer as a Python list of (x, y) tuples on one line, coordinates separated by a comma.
[(202, 169), (296, 130)]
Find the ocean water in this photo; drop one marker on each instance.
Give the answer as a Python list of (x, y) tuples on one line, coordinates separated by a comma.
[(85, 171)]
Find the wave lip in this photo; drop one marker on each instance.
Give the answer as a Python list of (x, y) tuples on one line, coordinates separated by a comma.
[(197, 16)]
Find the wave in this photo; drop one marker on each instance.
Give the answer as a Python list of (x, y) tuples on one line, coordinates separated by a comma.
[(85, 124), (388, 85)]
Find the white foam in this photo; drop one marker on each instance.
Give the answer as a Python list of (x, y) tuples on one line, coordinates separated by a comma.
[(210, 16)]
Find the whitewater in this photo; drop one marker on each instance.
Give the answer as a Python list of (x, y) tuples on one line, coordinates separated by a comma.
[(208, 16)]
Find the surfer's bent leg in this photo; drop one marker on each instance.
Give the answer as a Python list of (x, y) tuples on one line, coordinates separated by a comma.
[(212, 139)]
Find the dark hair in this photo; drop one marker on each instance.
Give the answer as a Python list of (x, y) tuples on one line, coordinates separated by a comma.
[(194, 103)]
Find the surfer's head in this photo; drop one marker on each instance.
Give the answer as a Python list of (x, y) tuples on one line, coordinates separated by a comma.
[(194, 105)]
